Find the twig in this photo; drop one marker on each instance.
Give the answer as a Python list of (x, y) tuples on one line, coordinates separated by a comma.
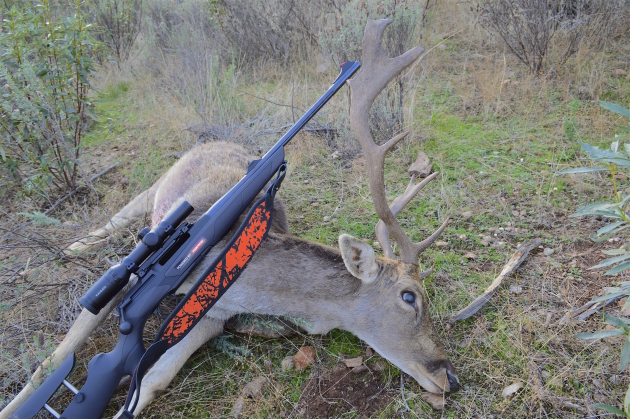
[(65, 198), (588, 309), (402, 393), (512, 264), (266, 100)]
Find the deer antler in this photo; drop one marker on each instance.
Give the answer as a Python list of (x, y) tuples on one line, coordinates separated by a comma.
[(377, 70)]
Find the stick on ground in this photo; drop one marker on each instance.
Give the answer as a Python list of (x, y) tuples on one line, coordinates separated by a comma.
[(512, 264)]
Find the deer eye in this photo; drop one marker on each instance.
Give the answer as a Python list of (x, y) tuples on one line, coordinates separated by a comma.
[(409, 298)]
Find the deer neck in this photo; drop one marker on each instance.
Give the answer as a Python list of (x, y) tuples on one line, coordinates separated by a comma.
[(298, 278)]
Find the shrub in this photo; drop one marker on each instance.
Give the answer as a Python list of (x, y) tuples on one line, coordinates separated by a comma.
[(44, 74), (527, 27), (342, 37), (119, 22), (615, 212)]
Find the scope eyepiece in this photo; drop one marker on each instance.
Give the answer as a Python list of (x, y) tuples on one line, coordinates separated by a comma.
[(118, 276)]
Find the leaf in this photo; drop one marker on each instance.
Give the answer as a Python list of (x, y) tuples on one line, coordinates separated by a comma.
[(613, 107), (609, 227), (613, 321), (609, 296), (619, 268), (583, 170), (600, 335), (610, 261), (598, 239), (608, 408), (625, 360), (613, 252), (597, 153)]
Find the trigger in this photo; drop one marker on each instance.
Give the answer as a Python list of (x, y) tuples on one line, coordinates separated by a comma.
[(252, 165)]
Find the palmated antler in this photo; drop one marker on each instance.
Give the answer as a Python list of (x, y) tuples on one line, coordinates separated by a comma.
[(376, 71)]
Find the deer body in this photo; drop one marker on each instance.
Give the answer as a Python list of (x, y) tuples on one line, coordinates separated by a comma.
[(380, 300)]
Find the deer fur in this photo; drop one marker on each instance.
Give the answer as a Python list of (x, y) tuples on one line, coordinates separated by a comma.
[(348, 288)]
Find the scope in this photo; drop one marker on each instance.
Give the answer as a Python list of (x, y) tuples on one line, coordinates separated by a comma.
[(118, 276)]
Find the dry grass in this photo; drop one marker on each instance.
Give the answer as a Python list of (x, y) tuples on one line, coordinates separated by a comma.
[(497, 144)]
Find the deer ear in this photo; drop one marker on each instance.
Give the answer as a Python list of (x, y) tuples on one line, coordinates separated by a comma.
[(359, 258)]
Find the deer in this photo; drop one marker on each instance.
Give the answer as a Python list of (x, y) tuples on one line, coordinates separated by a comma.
[(381, 300)]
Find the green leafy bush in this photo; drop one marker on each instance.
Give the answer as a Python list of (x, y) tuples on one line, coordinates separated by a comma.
[(45, 68), (615, 212)]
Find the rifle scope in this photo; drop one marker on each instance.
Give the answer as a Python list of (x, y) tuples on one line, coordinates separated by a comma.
[(118, 276)]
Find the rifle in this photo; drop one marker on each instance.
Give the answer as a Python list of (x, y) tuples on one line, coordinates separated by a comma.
[(162, 261)]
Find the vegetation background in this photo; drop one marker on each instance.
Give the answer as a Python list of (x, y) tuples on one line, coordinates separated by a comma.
[(499, 102)]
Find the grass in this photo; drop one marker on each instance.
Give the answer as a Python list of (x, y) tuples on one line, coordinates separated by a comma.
[(497, 148)]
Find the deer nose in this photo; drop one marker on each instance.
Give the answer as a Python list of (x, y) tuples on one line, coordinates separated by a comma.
[(453, 383)]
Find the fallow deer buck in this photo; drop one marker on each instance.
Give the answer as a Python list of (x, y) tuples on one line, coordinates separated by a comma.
[(379, 299)]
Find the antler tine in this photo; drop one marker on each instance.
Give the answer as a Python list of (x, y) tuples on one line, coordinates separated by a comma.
[(382, 234), (378, 69)]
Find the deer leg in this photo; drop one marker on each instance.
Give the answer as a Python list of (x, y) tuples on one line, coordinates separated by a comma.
[(165, 369), (140, 205)]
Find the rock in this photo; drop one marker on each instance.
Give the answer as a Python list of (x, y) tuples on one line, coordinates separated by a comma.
[(315, 204), (369, 352), (421, 167), (515, 213), (353, 362), (124, 181), (619, 72), (326, 218), (463, 237), (435, 400), (470, 255), (516, 289), (441, 244), (467, 215), (359, 369), (511, 390), (305, 357), (548, 251), (336, 155), (484, 243), (287, 364), (254, 389)]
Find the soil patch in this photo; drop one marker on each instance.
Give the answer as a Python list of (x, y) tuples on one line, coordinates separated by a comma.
[(328, 394)]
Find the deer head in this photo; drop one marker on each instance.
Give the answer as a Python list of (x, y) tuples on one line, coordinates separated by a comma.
[(418, 352)]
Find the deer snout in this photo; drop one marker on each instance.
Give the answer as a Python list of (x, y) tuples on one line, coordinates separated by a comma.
[(451, 376)]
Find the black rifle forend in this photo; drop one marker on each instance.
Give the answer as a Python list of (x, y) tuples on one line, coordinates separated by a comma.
[(161, 262)]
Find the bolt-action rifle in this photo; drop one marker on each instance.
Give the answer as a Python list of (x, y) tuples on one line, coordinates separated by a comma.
[(161, 262)]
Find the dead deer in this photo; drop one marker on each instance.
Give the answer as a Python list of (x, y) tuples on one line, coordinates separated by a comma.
[(379, 299)]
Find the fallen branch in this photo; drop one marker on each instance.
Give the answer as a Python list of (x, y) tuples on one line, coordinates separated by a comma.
[(588, 309), (512, 264)]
